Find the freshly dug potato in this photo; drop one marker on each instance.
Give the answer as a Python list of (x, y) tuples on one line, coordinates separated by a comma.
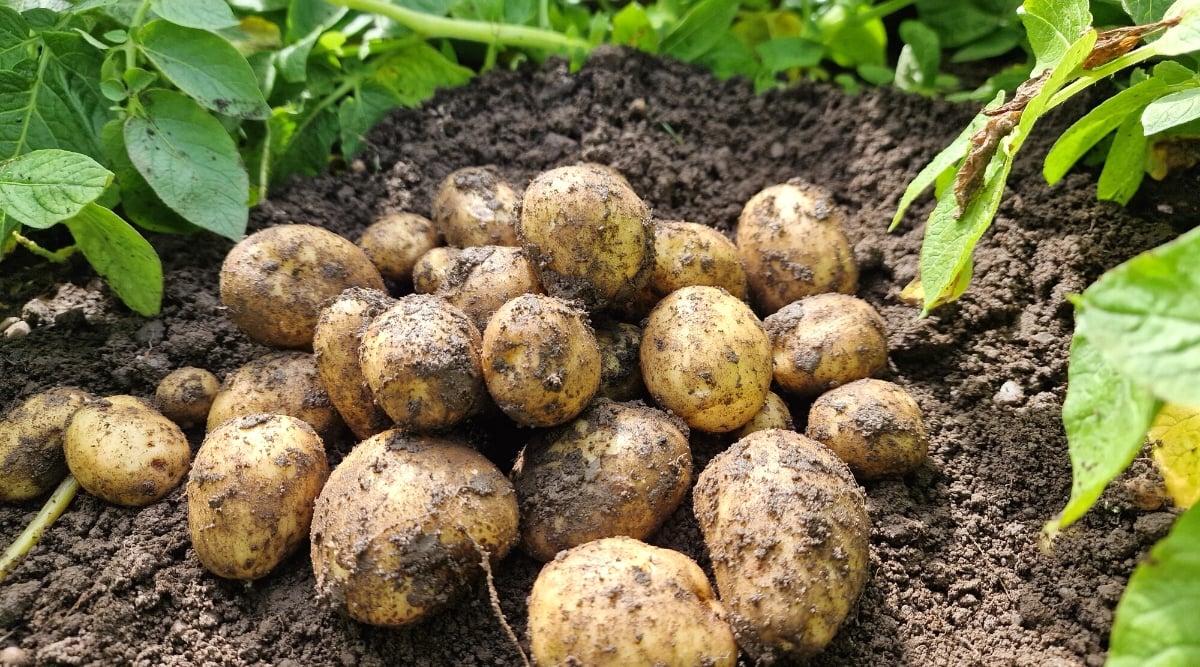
[(791, 242), (620, 469), (826, 340), (251, 493), (275, 281), (706, 357), (688, 253), (786, 526), (335, 347), (480, 279), (619, 602), (282, 383), (395, 242), (872, 425), (421, 360), (540, 360), (773, 414), (185, 395), (31, 443), (587, 234), (620, 367), (404, 524), (433, 268), (124, 451), (476, 206)]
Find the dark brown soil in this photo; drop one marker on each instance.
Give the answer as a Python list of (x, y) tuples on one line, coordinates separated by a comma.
[(957, 573)]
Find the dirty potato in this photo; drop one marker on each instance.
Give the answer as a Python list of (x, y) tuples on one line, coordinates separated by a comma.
[(284, 383), (335, 347), (826, 340), (395, 242), (185, 395), (475, 206), (31, 443), (786, 526), (481, 279), (618, 602), (872, 425), (689, 253), (620, 368), (773, 414)]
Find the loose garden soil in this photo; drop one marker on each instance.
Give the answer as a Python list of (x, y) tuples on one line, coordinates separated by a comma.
[(959, 575)]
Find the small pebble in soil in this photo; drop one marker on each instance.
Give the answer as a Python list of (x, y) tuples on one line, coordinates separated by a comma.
[(14, 656), (1010, 394), (17, 329)]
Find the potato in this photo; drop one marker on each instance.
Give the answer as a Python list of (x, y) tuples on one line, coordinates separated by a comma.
[(185, 395), (125, 452), (251, 493), (540, 360), (31, 443), (791, 242), (284, 383), (619, 602), (872, 425), (433, 268), (475, 206), (773, 414), (587, 234), (336, 341), (825, 340), (405, 524), (395, 242), (620, 368), (706, 357), (421, 360), (480, 279), (274, 282), (688, 253), (620, 469), (787, 529)]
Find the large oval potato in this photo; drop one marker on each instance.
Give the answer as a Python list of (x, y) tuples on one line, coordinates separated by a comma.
[(404, 525), (283, 383), (32, 461), (475, 206), (617, 602), (787, 528), (336, 341), (251, 493), (825, 340), (873, 425)]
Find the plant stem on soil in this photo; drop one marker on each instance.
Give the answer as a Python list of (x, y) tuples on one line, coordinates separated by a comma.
[(54, 507)]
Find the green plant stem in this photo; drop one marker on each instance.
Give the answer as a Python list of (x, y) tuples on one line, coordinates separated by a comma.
[(474, 31), (57, 256), (1089, 77), (55, 505), (130, 49)]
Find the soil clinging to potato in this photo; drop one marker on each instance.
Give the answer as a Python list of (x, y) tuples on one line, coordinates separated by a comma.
[(958, 576)]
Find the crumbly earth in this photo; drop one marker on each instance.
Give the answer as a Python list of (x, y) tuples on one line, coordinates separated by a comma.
[(958, 573)]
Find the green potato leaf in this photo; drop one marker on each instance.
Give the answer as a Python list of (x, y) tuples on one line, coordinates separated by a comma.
[(139, 204), (357, 114), (1052, 27), (206, 67), (783, 53), (1125, 163), (125, 260), (1172, 110), (43, 187), (1183, 37), (1145, 11), (204, 14), (700, 29)]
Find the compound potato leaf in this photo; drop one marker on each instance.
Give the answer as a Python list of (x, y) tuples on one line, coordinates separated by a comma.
[(204, 14), (206, 67), (1175, 437), (1172, 110), (125, 260), (42, 187)]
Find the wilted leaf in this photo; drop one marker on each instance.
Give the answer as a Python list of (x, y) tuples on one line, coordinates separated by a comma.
[(1175, 437)]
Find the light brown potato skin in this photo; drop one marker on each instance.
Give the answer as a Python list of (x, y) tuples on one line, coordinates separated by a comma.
[(620, 469), (403, 524), (31, 443), (275, 281), (336, 341), (826, 340), (475, 206), (284, 383), (791, 242), (618, 602), (587, 234), (872, 425), (773, 414), (620, 367), (689, 253), (787, 528), (125, 452), (395, 242), (251, 493), (433, 268), (706, 357), (540, 360), (186, 394), (480, 279)]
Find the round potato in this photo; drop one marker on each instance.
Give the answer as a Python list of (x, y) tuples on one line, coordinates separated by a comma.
[(706, 357), (825, 340), (872, 425), (773, 414), (433, 268), (404, 525), (786, 526), (395, 242), (587, 234), (335, 348), (540, 360), (481, 279), (186, 394), (283, 383), (124, 451), (620, 368), (791, 242), (688, 253), (620, 469), (31, 443), (275, 281), (475, 206), (618, 602)]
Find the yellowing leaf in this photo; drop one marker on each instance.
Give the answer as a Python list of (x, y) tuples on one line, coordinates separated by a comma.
[(1175, 436)]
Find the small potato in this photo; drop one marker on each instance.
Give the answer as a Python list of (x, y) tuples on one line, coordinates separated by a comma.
[(786, 526), (283, 383), (275, 281), (433, 268), (588, 235), (706, 357), (336, 341), (395, 243), (620, 368), (688, 253), (872, 425), (481, 279), (421, 360), (251, 493), (475, 206), (826, 340), (618, 602), (540, 360), (620, 469), (125, 452), (773, 414), (31, 443), (404, 524), (791, 242), (185, 395)]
